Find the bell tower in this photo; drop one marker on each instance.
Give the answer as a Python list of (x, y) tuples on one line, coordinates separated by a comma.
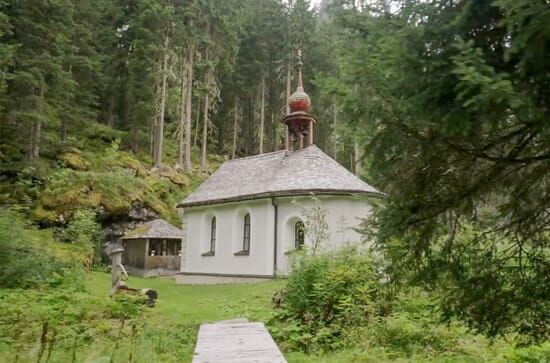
[(299, 122)]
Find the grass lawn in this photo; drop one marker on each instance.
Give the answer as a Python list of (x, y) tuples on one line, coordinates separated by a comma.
[(89, 328), (169, 330), (194, 304)]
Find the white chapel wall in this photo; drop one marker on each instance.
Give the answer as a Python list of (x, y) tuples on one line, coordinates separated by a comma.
[(344, 213), (229, 229)]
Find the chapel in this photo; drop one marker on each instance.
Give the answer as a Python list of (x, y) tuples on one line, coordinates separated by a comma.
[(248, 216)]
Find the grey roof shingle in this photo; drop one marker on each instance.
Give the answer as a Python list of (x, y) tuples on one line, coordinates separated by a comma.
[(158, 228), (279, 173)]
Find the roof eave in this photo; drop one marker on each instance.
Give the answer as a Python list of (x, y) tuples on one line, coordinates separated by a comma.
[(149, 237), (286, 193)]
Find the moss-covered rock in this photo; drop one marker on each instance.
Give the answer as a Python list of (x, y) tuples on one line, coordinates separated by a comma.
[(43, 216), (92, 170), (171, 174), (74, 160)]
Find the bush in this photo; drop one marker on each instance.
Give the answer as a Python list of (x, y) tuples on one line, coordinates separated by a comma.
[(84, 230), (62, 322), (30, 258), (328, 293)]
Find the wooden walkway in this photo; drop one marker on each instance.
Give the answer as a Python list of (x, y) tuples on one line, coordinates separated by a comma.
[(236, 342)]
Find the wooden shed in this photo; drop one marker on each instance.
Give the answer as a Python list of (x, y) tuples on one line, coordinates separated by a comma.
[(153, 249)]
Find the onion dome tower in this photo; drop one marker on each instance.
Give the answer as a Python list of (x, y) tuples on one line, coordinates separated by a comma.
[(299, 122)]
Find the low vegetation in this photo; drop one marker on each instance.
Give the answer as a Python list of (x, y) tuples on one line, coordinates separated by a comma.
[(338, 307), (53, 311), (335, 307)]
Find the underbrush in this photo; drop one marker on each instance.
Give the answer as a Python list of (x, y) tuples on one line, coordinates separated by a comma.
[(48, 315), (338, 305), (71, 325), (30, 258)]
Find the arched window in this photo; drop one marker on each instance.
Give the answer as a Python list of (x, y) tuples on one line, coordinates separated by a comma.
[(246, 233), (299, 235), (213, 235)]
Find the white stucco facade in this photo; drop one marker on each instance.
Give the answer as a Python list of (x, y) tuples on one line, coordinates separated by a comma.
[(344, 214)]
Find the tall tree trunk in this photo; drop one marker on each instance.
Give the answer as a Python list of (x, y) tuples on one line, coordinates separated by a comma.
[(189, 101), (288, 85), (135, 141), (205, 115), (160, 129), (274, 135), (197, 123), (358, 157), (235, 128), (37, 137), (153, 125), (334, 134), (183, 117), (65, 120), (37, 130), (110, 119), (262, 115), (30, 146), (153, 134), (204, 133)]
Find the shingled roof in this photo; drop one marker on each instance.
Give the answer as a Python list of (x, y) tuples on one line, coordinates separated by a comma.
[(158, 228), (280, 173)]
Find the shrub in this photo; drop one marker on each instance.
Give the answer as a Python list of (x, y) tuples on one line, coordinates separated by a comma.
[(327, 293), (29, 257), (84, 230)]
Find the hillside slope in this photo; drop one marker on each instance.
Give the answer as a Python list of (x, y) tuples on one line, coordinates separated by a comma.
[(94, 170)]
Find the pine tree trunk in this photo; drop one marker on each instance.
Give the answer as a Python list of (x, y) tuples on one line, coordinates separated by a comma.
[(153, 125), (65, 120), (358, 151), (110, 112), (160, 128), (235, 126), (205, 115), (153, 134), (335, 135), (37, 137), (197, 123), (37, 131), (30, 146), (262, 116), (183, 117), (288, 86), (135, 141), (275, 135), (189, 101), (204, 133)]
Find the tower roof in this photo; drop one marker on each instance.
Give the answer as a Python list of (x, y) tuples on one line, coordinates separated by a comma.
[(299, 100), (279, 173)]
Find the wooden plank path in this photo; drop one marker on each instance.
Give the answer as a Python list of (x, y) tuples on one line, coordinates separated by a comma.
[(236, 342)]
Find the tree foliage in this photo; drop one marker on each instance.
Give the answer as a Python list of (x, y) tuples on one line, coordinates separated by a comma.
[(454, 107)]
